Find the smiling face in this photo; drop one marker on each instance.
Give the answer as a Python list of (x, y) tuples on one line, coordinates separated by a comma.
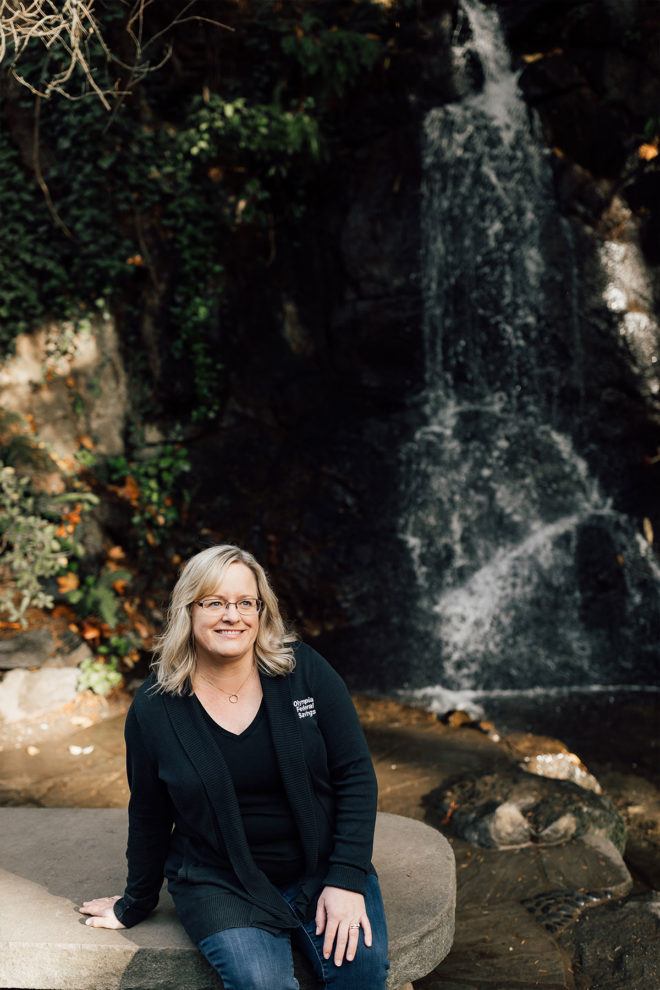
[(227, 638)]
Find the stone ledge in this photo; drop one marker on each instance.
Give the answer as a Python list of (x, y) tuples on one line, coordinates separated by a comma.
[(54, 858)]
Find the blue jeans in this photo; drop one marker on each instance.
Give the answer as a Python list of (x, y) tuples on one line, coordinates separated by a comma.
[(253, 959)]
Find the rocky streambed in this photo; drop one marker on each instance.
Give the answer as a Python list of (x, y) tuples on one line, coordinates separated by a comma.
[(558, 870)]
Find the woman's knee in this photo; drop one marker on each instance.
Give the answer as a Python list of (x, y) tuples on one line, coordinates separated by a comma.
[(251, 959), (367, 971)]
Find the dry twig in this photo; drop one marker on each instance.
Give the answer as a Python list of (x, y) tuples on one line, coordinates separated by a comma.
[(66, 30)]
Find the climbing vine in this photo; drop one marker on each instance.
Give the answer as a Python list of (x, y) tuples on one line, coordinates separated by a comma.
[(116, 209), (137, 212)]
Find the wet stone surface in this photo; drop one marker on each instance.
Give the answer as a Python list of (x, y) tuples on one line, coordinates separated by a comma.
[(512, 807)]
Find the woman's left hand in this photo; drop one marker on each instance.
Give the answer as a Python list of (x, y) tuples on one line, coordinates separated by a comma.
[(337, 910)]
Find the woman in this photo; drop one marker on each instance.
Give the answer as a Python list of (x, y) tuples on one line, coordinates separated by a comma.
[(252, 791)]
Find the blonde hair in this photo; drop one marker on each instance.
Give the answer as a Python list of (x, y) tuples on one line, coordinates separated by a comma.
[(175, 659)]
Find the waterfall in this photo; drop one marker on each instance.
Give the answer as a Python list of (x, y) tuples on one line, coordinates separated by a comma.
[(526, 575)]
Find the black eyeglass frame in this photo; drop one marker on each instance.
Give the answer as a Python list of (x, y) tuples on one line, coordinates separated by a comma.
[(257, 611)]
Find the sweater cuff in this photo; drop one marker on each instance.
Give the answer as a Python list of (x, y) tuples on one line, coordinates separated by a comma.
[(127, 913), (346, 877)]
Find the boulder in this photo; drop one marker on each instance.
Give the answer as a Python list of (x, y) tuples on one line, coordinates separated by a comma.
[(28, 649), (25, 693), (511, 807)]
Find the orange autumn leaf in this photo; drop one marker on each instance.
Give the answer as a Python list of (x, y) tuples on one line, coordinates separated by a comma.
[(68, 582), (120, 586), (64, 612), (142, 630), (130, 490), (537, 56), (648, 151), (86, 442), (74, 517), (89, 631), (116, 553), (68, 464), (10, 625)]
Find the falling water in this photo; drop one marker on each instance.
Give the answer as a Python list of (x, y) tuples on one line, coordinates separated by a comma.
[(526, 575)]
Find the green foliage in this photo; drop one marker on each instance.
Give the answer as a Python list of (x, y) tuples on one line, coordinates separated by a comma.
[(652, 128), (99, 676), (96, 596), (153, 488), (26, 257), (35, 544), (155, 194), (120, 649), (332, 57), (103, 673)]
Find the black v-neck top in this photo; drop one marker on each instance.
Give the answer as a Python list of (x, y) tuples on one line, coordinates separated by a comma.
[(270, 826)]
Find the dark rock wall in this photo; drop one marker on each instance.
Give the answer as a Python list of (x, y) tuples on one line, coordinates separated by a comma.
[(595, 93), (323, 365)]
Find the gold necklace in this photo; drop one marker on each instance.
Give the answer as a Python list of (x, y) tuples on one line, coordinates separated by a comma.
[(233, 697)]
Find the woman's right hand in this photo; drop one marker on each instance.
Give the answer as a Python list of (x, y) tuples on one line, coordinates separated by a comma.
[(102, 913)]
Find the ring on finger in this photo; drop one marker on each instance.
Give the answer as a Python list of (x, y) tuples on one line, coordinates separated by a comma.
[(353, 927)]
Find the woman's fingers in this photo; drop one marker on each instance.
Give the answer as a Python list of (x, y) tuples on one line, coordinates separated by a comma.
[(341, 913), (104, 922), (353, 939), (101, 912), (366, 928), (341, 942), (98, 905)]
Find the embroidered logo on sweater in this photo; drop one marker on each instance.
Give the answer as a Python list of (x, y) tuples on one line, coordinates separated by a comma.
[(305, 707)]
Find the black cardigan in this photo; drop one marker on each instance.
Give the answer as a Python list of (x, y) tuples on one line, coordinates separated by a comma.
[(183, 807)]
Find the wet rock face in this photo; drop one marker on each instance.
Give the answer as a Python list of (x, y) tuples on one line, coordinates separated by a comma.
[(513, 808), (555, 910), (633, 960), (55, 363)]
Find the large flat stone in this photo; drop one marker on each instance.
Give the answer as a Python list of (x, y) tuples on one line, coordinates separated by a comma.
[(26, 693), (52, 859)]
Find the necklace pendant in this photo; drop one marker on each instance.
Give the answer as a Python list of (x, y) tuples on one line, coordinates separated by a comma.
[(233, 698)]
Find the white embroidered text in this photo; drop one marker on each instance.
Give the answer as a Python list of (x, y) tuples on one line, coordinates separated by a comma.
[(305, 707)]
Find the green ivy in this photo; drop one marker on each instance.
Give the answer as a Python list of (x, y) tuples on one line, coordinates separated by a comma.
[(155, 491), (96, 596), (154, 193), (333, 57), (35, 547)]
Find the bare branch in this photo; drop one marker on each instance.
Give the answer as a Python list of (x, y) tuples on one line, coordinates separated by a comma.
[(39, 177), (67, 29)]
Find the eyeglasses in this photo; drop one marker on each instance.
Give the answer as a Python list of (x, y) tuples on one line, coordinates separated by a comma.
[(246, 606)]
